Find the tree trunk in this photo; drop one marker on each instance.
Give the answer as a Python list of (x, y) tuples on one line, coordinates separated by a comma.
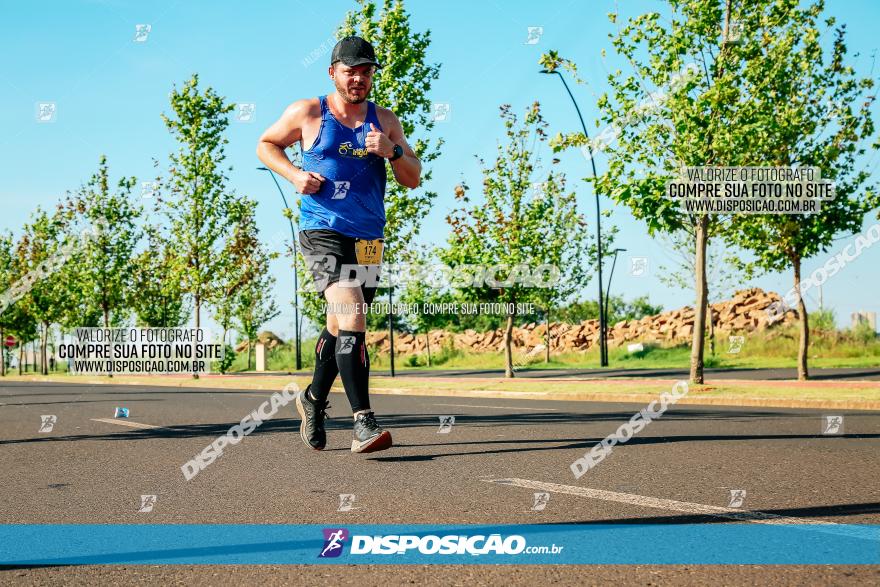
[(547, 350), (699, 341), (44, 365), (20, 356), (250, 345), (2, 354), (223, 342), (428, 344), (508, 351), (198, 304), (711, 318), (107, 325), (803, 373)]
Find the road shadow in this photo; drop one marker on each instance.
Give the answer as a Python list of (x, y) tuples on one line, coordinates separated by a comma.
[(394, 422)]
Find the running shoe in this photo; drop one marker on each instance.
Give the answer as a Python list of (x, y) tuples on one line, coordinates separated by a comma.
[(368, 435), (312, 414)]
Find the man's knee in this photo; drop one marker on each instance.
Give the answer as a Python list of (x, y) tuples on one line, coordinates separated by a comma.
[(332, 325), (346, 311)]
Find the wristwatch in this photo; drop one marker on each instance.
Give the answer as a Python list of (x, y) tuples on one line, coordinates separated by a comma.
[(398, 153)]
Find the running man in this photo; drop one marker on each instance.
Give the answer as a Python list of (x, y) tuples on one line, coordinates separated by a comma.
[(345, 140)]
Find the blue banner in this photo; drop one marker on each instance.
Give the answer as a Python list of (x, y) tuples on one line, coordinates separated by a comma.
[(79, 544)]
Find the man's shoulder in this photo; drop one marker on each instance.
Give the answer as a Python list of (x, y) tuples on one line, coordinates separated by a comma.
[(385, 115), (305, 108)]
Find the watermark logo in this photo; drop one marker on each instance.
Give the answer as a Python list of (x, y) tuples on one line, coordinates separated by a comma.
[(439, 275), (346, 502), (120, 413), (346, 344), (534, 34), (245, 112), (832, 425), (147, 503), (538, 190), (735, 344), (737, 497), (441, 111), (638, 266), (319, 51), (46, 111), (47, 423), (149, 189), (734, 32), (541, 501), (629, 429), (334, 539), (234, 435), (141, 32), (446, 423), (340, 189), (523, 358)]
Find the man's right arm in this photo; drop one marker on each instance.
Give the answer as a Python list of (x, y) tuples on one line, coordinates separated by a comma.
[(286, 131)]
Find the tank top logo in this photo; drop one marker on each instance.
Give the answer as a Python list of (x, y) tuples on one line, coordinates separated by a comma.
[(340, 189), (346, 149)]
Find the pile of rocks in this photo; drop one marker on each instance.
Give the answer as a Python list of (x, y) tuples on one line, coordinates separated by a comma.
[(270, 339), (744, 313)]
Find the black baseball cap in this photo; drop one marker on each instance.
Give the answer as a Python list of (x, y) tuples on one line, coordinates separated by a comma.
[(354, 51)]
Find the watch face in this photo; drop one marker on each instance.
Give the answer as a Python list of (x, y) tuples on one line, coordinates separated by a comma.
[(398, 151)]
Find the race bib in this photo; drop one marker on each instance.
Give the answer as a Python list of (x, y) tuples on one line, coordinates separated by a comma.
[(369, 252)]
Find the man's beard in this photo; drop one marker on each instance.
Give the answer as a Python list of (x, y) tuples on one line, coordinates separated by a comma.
[(343, 91)]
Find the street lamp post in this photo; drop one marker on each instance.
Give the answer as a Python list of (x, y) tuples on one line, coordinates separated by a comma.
[(610, 277), (603, 343), (295, 276)]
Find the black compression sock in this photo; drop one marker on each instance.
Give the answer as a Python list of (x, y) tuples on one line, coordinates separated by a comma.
[(326, 369), (354, 368)]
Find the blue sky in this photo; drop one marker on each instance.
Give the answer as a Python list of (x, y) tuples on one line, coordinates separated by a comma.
[(110, 91)]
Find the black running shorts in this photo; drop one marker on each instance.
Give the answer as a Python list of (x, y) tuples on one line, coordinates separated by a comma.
[(329, 255)]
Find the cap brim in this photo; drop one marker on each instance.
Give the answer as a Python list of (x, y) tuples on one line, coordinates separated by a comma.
[(356, 62)]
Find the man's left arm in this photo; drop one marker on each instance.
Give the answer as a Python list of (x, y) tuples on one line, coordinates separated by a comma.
[(407, 168)]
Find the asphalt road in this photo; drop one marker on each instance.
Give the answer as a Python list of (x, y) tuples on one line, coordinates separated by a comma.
[(838, 374), (92, 469)]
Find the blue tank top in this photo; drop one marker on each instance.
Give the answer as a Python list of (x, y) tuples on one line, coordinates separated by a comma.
[(351, 200)]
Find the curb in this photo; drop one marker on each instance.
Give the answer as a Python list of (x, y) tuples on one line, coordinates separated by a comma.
[(729, 401), (718, 400)]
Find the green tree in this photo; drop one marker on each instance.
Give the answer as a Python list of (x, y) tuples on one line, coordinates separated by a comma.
[(106, 261), (689, 100), (513, 227), (243, 260), (42, 250), (255, 307), (7, 279), (198, 202), (158, 300), (818, 114), (23, 327)]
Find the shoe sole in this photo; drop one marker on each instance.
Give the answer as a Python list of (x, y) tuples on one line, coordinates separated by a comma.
[(302, 423), (377, 443)]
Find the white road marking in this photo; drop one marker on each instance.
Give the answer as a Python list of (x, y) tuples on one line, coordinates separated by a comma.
[(499, 407), (690, 508), (124, 423)]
